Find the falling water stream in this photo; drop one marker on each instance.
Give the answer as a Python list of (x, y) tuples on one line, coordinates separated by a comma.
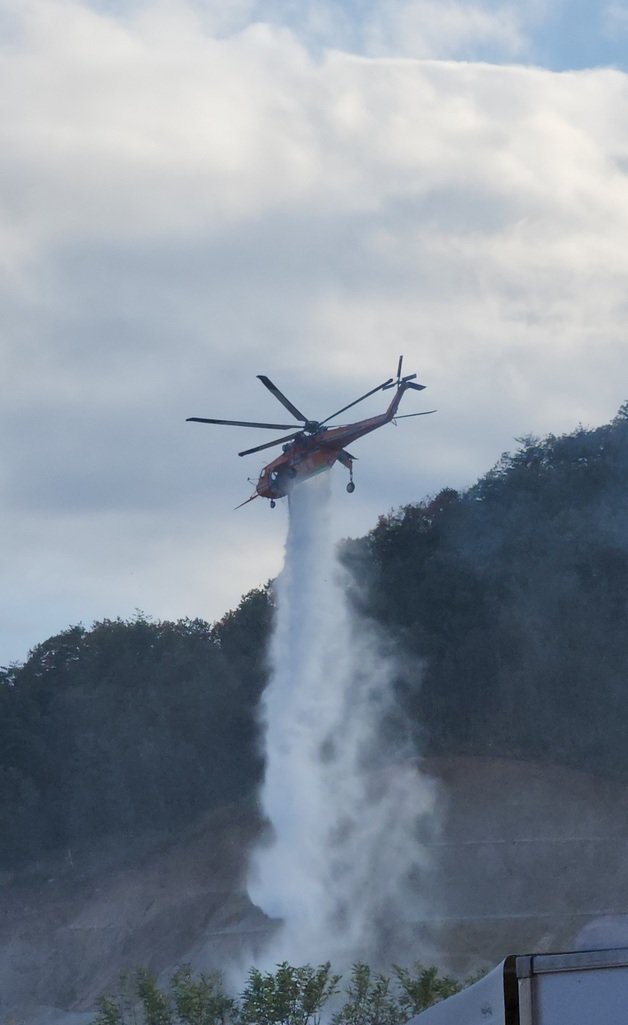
[(343, 865)]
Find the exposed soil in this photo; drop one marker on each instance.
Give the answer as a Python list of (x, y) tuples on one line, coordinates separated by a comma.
[(528, 857)]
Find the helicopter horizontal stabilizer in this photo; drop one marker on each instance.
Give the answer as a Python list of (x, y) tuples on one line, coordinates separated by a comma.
[(404, 416)]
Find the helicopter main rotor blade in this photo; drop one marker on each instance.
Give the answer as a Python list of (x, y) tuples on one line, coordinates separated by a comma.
[(380, 387), (269, 444), (404, 416), (238, 423), (282, 398)]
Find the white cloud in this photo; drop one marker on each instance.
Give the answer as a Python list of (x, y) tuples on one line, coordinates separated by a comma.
[(445, 29), (182, 210), (417, 28)]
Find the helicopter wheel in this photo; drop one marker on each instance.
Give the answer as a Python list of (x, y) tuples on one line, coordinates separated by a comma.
[(272, 503), (350, 487)]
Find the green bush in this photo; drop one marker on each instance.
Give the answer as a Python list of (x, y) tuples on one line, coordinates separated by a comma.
[(288, 996)]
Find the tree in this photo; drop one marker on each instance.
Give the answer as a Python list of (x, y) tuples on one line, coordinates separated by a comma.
[(421, 987), (200, 1001), (138, 1000), (370, 1001), (288, 996), (157, 1007)]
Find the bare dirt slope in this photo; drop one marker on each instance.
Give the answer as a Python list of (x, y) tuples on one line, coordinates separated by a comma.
[(528, 857), (70, 927)]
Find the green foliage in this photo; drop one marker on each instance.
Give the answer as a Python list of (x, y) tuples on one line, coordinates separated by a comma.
[(512, 597), (288, 996), (156, 1006), (126, 726), (138, 1000), (422, 986), (200, 1001), (119, 1007), (109, 1012), (370, 1001)]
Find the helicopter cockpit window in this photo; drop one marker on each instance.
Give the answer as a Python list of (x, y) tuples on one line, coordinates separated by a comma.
[(274, 475)]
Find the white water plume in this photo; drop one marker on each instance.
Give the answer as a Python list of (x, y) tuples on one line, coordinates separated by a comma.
[(344, 867)]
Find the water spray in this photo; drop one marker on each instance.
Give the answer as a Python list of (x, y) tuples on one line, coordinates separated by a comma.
[(343, 865)]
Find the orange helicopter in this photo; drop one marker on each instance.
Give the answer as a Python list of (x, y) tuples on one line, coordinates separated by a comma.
[(315, 447)]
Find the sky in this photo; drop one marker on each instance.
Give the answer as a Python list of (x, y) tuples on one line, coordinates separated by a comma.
[(195, 192)]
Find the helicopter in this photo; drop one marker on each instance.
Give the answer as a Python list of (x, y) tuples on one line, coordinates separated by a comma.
[(315, 447)]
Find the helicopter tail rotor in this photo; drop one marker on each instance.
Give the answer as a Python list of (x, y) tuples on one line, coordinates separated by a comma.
[(405, 382)]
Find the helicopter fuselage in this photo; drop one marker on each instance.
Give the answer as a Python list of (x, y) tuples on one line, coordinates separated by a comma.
[(308, 456)]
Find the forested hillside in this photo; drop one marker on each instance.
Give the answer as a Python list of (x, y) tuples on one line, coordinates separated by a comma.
[(127, 727), (507, 602), (514, 596)]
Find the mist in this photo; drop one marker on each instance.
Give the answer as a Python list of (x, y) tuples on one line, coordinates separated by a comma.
[(344, 863)]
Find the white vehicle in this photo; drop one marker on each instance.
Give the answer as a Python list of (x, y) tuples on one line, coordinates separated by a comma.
[(586, 987)]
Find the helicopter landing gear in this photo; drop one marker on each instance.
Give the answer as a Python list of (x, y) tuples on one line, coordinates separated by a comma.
[(347, 460), (272, 503)]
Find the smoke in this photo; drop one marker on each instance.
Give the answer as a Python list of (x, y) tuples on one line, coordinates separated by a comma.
[(344, 866)]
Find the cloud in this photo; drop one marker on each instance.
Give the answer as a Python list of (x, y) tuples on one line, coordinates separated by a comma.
[(427, 28), (186, 204)]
